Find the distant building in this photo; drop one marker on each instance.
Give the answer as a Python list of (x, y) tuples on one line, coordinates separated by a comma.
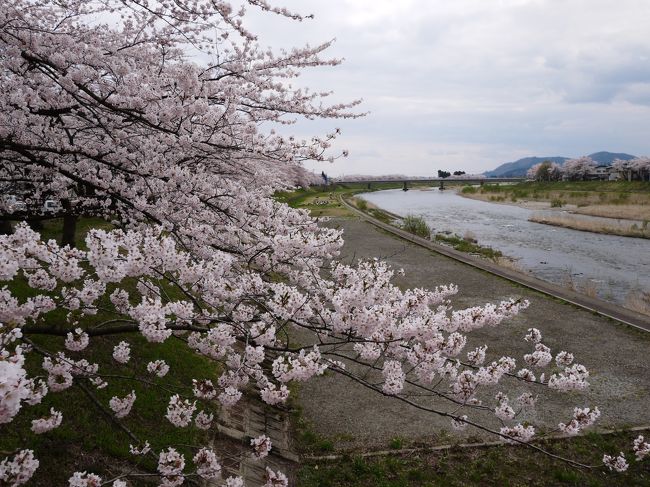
[(600, 173)]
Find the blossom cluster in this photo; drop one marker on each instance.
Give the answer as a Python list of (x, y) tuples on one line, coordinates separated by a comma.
[(261, 446), (44, 425), (179, 411), (618, 463), (582, 418), (19, 469), (122, 406), (641, 448)]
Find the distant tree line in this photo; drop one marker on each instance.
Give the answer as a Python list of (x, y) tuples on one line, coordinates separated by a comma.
[(446, 174), (583, 168)]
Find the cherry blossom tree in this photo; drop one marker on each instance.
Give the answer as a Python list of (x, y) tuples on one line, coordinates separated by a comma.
[(623, 167), (103, 109), (578, 169), (641, 165), (545, 171)]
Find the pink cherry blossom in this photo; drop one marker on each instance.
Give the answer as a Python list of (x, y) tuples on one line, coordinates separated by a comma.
[(203, 420), (179, 411), (122, 406), (518, 433), (618, 464), (19, 469), (83, 479), (122, 352), (142, 450), (158, 368), (275, 479), (183, 156), (43, 425), (77, 340), (170, 467), (261, 446), (207, 464), (641, 448)]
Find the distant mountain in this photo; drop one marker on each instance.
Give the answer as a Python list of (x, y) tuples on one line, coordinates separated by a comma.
[(606, 158), (519, 168)]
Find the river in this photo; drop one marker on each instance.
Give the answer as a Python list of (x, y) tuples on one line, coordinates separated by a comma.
[(613, 266)]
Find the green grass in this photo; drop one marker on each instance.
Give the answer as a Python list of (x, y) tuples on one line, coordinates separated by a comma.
[(319, 200), (578, 192), (595, 186), (463, 245), (469, 190), (308, 441), (327, 196), (492, 466), (396, 443), (381, 215), (87, 438), (302, 197)]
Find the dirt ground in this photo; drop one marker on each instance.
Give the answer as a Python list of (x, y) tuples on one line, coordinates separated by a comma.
[(616, 355)]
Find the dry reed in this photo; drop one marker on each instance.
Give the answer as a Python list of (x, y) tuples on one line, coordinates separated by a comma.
[(578, 222), (638, 301), (628, 212)]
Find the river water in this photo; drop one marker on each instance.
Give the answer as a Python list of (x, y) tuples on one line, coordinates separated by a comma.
[(615, 266)]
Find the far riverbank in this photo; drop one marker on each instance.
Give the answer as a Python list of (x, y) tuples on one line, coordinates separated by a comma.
[(612, 212)]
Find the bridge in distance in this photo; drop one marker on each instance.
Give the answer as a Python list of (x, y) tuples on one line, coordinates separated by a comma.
[(441, 181)]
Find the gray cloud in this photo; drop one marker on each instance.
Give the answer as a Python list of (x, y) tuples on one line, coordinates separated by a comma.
[(469, 84)]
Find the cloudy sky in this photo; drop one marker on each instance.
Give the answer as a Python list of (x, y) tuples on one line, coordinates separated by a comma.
[(470, 84)]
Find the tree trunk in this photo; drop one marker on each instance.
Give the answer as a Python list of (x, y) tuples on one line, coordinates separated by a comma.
[(69, 230), (69, 224), (35, 224), (5, 227)]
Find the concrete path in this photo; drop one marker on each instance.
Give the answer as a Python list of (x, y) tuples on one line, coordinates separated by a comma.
[(617, 355)]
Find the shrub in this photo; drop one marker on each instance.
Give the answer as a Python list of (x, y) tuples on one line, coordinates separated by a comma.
[(417, 226), (396, 443)]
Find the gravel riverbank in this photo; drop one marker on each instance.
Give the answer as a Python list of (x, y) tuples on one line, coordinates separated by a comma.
[(616, 355)]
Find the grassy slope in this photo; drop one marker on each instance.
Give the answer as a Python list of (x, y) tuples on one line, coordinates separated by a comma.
[(605, 186), (581, 193), (489, 466), (323, 201), (473, 466), (87, 438)]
